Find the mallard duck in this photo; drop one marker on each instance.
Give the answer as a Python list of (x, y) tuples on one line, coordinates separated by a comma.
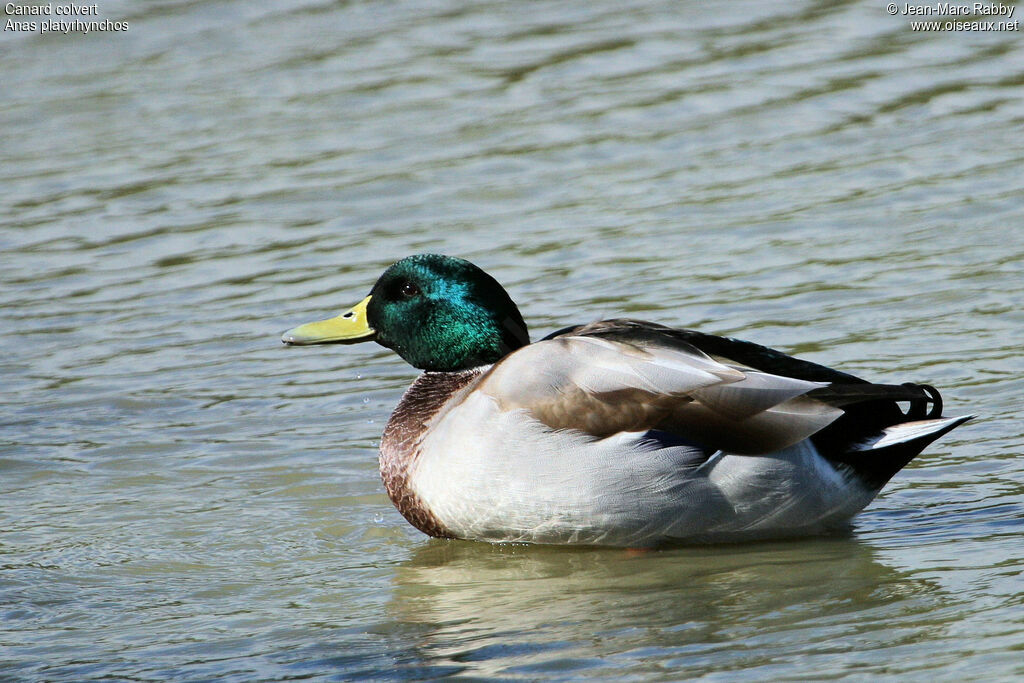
[(618, 432)]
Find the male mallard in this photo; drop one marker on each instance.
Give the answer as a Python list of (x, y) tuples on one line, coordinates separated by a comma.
[(619, 432)]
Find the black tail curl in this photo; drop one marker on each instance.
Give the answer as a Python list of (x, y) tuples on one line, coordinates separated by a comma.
[(919, 409)]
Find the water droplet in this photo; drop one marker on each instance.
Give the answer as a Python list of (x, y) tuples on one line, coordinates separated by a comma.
[(378, 518), (366, 399)]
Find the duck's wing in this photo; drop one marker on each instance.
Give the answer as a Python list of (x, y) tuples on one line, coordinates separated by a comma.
[(601, 386), (726, 349), (867, 414)]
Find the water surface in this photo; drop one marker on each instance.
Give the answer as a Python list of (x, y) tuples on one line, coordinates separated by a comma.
[(183, 497)]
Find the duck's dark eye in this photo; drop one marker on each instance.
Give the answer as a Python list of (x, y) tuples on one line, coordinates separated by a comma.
[(409, 290)]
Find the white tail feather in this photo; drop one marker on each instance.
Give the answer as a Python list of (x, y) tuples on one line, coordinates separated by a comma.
[(908, 431)]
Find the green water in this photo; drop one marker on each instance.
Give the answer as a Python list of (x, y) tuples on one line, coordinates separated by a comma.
[(182, 497)]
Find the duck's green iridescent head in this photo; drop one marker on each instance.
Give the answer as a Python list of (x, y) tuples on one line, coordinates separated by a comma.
[(437, 312)]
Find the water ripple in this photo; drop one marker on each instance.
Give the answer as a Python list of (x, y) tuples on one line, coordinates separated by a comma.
[(185, 498)]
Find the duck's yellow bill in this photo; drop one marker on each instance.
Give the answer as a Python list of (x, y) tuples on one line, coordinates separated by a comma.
[(347, 328)]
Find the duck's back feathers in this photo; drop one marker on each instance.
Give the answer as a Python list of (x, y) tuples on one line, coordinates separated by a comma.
[(839, 412), (603, 386), (734, 350)]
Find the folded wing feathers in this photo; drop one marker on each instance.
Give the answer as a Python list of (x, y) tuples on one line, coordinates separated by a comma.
[(605, 366), (755, 393), (601, 387)]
